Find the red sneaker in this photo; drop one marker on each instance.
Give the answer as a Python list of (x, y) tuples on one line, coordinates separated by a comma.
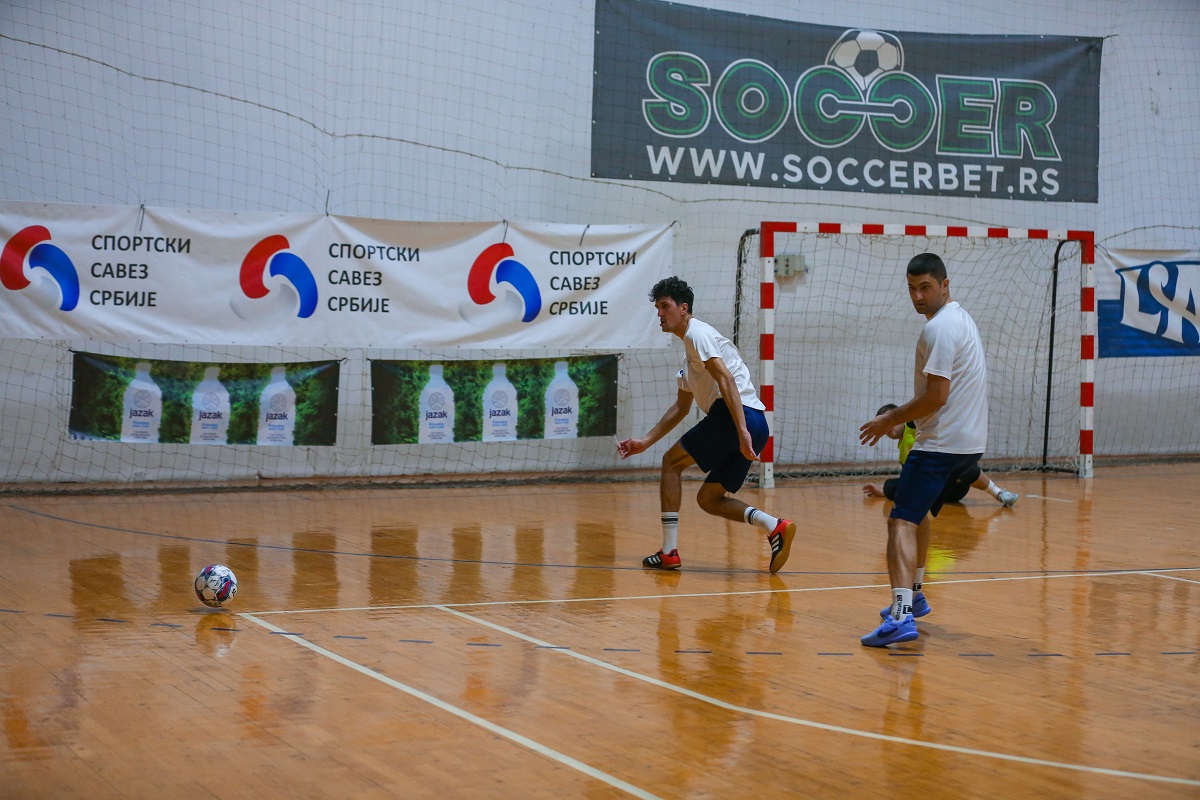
[(662, 560), (780, 540)]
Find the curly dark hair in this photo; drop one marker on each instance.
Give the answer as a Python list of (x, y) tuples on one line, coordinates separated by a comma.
[(676, 289)]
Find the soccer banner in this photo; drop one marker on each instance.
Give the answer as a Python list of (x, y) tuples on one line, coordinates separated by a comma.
[(114, 273), (423, 402), (145, 401), (1147, 303), (687, 94)]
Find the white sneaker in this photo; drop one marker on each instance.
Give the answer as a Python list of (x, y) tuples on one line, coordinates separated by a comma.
[(1007, 498)]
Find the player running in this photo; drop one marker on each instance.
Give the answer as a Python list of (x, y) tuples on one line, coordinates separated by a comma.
[(723, 444)]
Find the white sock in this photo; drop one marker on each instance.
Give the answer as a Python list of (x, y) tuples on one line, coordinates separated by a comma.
[(993, 489), (760, 519), (919, 580), (902, 600), (670, 526)]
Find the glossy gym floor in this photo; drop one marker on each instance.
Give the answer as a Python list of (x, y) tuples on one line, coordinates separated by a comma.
[(505, 642)]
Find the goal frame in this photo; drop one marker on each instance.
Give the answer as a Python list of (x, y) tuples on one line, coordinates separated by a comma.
[(1087, 349)]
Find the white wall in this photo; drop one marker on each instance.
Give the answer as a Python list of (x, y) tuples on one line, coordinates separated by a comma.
[(479, 110)]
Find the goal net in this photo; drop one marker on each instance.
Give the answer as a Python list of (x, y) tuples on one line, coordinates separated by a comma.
[(837, 333)]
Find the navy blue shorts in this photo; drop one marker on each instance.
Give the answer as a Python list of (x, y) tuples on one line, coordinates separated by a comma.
[(962, 485), (927, 480), (714, 445)]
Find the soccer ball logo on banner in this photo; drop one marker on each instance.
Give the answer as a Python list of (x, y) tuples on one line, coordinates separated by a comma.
[(865, 55)]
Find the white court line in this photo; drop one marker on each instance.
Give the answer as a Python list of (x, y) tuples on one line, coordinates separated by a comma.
[(1051, 499), (525, 742), (1171, 577), (747, 592), (968, 751)]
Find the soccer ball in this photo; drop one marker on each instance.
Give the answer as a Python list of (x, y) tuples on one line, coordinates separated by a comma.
[(216, 585), (865, 55)]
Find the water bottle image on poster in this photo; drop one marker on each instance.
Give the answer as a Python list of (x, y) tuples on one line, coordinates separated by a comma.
[(146, 401), (431, 402)]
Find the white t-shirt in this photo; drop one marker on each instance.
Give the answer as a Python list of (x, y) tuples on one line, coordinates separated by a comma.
[(949, 347), (702, 342)]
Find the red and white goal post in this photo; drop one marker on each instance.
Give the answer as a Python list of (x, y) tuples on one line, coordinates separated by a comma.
[(842, 340)]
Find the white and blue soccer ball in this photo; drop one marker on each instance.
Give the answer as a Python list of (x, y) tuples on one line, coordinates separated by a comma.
[(216, 585), (865, 55)]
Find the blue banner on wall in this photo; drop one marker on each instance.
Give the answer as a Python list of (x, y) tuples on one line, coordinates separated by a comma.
[(691, 95), (1146, 303)]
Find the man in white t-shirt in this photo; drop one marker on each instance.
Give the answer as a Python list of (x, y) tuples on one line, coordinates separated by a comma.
[(723, 444), (950, 409)]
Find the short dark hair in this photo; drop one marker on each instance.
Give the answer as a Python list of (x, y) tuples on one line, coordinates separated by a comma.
[(676, 289), (927, 264), (886, 407)]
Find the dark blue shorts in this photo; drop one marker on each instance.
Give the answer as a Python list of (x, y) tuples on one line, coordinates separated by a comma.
[(962, 485), (714, 445), (927, 480)]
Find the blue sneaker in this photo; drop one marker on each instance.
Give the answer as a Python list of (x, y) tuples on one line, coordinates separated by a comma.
[(920, 607), (892, 631)]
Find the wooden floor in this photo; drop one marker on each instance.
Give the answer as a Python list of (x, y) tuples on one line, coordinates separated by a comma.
[(505, 642)]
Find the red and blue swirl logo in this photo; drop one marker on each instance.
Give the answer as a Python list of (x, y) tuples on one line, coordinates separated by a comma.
[(272, 256), (32, 246), (496, 261)]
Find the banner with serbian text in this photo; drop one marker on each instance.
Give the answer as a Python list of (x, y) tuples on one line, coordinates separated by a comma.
[(442, 402), (693, 95), (113, 273), (145, 401), (1147, 303)]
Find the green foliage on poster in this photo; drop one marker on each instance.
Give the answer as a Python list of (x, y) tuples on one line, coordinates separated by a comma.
[(99, 384), (396, 388)]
